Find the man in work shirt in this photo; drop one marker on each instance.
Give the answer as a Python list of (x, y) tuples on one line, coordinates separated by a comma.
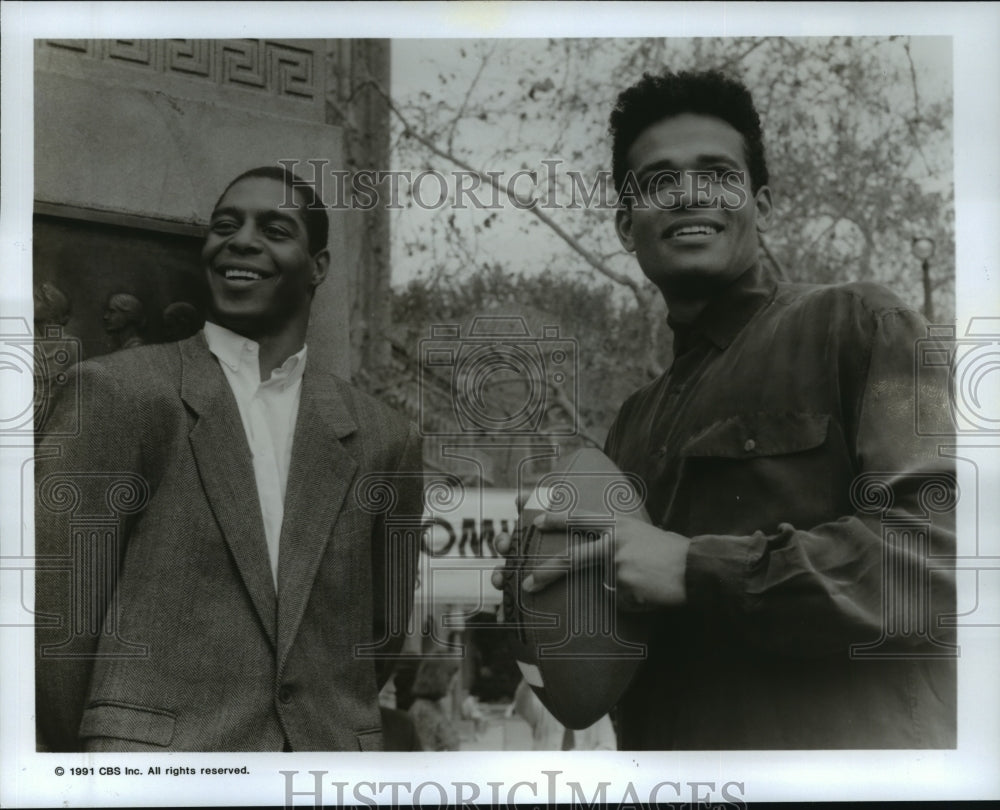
[(796, 512)]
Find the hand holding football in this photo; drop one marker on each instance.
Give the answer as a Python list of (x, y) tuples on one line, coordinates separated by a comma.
[(649, 563)]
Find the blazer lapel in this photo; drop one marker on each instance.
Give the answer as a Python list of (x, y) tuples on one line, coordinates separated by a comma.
[(319, 478), (222, 454)]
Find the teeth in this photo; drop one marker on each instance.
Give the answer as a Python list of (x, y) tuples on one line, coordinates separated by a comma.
[(691, 230), (237, 273)]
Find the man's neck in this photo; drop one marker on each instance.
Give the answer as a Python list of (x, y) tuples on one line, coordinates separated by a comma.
[(686, 302), (273, 349), (684, 310)]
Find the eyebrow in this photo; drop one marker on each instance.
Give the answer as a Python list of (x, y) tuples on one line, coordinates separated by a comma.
[(267, 215), (700, 160)]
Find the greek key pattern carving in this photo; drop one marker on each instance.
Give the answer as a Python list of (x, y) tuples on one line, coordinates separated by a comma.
[(140, 52), (249, 64), (190, 57), (84, 46)]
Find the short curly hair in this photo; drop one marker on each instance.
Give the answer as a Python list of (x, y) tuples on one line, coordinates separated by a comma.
[(656, 97)]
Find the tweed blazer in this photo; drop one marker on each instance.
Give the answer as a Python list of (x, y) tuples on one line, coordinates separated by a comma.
[(158, 626)]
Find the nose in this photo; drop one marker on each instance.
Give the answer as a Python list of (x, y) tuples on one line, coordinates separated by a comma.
[(681, 190), (697, 190), (686, 197), (688, 189), (244, 240)]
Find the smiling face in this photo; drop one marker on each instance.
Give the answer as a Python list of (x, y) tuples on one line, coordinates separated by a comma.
[(690, 245), (256, 255)]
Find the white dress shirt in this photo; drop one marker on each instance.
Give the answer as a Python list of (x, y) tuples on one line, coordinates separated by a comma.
[(269, 411)]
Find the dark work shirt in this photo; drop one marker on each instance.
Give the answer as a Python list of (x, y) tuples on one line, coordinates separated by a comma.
[(783, 443)]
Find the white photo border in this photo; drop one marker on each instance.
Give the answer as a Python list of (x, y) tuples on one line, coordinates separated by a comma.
[(28, 779)]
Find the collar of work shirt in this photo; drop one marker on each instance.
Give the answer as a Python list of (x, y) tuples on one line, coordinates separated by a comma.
[(727, 313)]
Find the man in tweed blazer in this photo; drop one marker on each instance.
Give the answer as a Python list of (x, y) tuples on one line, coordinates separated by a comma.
[(225, 565)]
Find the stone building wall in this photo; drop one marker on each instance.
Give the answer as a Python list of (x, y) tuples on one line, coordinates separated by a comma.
[(134, 141)]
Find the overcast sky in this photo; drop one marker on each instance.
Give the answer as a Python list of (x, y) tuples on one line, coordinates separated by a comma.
[(416, 65)]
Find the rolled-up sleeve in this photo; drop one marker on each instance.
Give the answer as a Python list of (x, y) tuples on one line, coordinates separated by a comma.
[(877, 575)]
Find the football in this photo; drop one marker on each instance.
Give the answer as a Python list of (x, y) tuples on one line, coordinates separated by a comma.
[(575, 647)]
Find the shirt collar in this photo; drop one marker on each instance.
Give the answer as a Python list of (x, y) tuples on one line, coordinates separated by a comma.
[(724, 317), (234, 350)]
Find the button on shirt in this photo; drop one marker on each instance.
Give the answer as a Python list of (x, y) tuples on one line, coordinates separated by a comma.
[(269, 410)]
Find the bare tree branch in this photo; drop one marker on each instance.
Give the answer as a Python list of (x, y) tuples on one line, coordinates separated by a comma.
[(564, 402), (735, 60), (917, 116), (442, 382), (453, 124), (835, 217), (527, 205)]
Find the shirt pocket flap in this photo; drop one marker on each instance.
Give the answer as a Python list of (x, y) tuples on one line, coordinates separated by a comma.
[(124, 722), (759, 434)]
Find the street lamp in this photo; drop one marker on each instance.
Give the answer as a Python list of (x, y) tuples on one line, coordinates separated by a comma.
[(923, 249)]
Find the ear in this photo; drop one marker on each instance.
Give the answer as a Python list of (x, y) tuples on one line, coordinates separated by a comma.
[(321, 264), (762, 202), (623, 227)]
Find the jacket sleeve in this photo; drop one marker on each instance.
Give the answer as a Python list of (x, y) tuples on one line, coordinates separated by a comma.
[(396, 554), (880, 575), (88, 490)]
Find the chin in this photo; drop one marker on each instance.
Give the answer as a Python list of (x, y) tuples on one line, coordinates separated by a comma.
[(692, 282), (246, 323)]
